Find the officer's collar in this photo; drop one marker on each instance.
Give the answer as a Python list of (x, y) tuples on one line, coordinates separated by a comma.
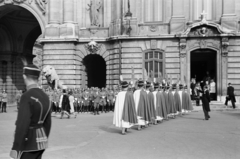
[(32, 86)]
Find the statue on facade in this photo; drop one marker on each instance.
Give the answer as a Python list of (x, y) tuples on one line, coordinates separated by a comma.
[(94, 12), (52, 77)]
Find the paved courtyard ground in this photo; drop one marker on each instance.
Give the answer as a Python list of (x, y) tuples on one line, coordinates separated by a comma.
[(94, 137)]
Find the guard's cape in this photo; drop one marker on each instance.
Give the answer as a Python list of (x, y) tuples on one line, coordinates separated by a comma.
[(129, 111), (165, 95), (171, 103), (124, 111), (162, 109), (186, 101), (151, 105), (177, 102), (142, 107)]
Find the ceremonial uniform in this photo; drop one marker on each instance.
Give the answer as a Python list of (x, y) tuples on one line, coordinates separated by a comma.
[(103, 102), (141, 105), (150, 98), (157, 103), (64, 104), (124, 113), (33, 121), (110, 98), (96, 97), (85, 97)]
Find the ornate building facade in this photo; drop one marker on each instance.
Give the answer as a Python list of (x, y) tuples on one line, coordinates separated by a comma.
[(93, 42)]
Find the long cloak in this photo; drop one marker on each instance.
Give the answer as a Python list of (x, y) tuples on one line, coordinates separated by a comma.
[(151, 105), (124, 112), (171, 103), (142, 108), (186, 101), (177, 102), (165, 95), (163, 105), (157, 105)]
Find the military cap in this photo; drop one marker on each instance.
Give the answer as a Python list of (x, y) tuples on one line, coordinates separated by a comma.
[(148, 84), (140, 82), (156, 85), (31, 70), (124, 84)]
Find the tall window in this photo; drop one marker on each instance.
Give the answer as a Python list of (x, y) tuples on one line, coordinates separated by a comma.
[(154, 62)]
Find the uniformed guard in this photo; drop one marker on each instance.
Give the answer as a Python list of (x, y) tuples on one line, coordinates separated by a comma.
[(34, 119), (96, 100), (103, 101), (110, 99), (4, 101), (85, 96)]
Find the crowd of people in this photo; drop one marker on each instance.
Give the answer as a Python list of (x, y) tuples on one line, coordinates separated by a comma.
[(149, 103), (89, 100)]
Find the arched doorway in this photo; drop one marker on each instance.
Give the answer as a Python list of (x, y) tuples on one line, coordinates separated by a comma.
[(19, 30), (204, 65), (95, 67)]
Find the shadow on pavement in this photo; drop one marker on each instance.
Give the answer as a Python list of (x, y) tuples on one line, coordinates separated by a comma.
[(110, 129), (235, 114)]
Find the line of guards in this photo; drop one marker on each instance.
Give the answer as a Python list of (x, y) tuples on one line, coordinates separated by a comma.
[(86, 100)]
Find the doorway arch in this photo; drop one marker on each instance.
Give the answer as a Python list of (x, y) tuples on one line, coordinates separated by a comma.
[(22, 26), (95, 68)]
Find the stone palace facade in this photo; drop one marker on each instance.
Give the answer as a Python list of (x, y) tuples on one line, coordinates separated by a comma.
[(182, 39)]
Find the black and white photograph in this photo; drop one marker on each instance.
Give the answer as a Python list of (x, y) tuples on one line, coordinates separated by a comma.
[(119, 79)]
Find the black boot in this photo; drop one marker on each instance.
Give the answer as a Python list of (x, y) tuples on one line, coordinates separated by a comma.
[(95, 111)]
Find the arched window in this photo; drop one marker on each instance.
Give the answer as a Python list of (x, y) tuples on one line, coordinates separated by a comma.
[(154, 61)]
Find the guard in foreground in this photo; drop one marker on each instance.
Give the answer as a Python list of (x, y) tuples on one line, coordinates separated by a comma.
[(34, 119)]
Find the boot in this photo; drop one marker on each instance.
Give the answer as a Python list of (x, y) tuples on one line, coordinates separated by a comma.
[(61, 115), (97, 111)]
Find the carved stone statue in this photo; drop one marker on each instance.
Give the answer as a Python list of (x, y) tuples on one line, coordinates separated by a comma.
[(52, 77), (94, 9)]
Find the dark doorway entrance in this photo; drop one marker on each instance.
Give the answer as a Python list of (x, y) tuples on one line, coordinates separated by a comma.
[(96, 70), (203, 61), (204, 66)]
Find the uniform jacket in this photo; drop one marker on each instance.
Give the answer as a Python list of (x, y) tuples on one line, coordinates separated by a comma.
[(33, 122)]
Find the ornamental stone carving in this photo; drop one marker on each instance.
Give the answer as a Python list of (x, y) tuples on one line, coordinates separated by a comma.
[(182, 46), (42, 5), (93, 47), (225, 45), (202, 44)]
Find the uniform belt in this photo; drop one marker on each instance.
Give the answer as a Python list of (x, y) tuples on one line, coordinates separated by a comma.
[(36, 126)]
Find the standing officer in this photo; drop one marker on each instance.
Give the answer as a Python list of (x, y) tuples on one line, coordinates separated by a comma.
[(96, 99), (230, 95), (4, 101), (34, 119), (0, 100), (103, 102), (110, 99)]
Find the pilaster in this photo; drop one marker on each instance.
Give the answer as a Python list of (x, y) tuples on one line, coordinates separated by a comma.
[(182, 56), (225, 44), (177, 23), (54, 16), (229, 18)]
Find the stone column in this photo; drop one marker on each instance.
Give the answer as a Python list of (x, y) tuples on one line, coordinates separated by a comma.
[(229, 18), (69, 29), (177, 23), (54, 12), (68, 11), (224, 77), (182, 55), (54, 16)]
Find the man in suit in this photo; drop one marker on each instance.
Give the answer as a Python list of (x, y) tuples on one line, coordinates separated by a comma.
[(33, 123), (230, 95)]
